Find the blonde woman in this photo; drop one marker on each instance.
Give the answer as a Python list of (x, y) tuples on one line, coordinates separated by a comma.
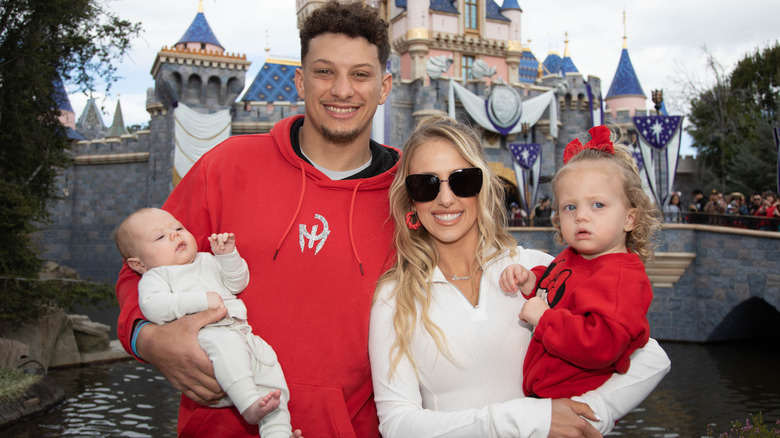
[(445, 343)]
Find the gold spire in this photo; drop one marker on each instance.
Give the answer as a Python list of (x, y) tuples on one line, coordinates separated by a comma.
[(200, 6), (625, 42), (566, 46)]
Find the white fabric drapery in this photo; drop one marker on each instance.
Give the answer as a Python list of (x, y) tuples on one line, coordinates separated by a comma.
[(195, 134), (532, 109)]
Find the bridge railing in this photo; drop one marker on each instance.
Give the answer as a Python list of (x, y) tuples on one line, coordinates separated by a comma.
[(725, 220)]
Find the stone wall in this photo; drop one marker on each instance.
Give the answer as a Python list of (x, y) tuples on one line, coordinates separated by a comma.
[(97, 192), (732, 267)]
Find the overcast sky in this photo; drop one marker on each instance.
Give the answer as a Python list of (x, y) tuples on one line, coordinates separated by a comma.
[(665, 38)]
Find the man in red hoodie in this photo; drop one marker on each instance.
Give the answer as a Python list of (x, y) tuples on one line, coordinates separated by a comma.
[(309, 201)]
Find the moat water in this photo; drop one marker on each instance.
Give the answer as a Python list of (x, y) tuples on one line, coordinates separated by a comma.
[(709, 385)]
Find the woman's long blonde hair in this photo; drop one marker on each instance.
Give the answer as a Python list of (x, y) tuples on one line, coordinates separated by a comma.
[(416, 255)]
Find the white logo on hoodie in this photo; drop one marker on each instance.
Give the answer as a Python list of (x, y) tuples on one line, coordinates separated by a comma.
[(313, 236)]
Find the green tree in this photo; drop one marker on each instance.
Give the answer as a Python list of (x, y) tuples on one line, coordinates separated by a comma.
[(42, 42), (731, 122)]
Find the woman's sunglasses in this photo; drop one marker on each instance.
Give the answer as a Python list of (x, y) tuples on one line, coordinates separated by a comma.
[(464, 183)]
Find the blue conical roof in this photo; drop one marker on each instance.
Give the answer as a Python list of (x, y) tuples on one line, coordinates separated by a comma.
[(552, 63), (625, 83), (493, 11), (510, 4), (61, 96), (567, 66), (200, 32)]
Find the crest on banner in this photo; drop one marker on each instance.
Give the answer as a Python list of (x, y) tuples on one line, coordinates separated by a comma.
[(526, 155)]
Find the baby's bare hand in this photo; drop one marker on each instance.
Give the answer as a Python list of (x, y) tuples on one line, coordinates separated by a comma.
[(214, 300), (533, 309), (222, 243), (512, 277)]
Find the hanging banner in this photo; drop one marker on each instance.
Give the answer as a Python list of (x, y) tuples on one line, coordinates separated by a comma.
[(194, 135), (530, 112), (596, 111), (527, 166), (659, 144), (658, 131)]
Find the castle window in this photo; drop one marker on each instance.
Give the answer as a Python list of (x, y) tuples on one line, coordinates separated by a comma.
[(202, 46), (466, 64), (471, 15)]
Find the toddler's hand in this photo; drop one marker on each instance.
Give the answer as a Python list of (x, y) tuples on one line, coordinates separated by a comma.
[(533, 309), (512, 277), (223, 243), (214, 300)]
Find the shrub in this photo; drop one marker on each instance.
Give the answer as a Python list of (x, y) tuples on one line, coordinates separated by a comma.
[(756, 429), (24, 299)]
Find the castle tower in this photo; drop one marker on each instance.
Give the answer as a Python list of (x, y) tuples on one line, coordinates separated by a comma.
[(514, 47), (625, 92), (197, 71), (465, 32)]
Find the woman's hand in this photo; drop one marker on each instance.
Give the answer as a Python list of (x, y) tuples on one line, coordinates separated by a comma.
[(174, 350), (568, 422)]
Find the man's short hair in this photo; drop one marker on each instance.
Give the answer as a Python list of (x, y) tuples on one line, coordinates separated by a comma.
[(354, 19)]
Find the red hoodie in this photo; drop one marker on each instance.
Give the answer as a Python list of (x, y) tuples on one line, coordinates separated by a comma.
[(315, 249), (598, 317)]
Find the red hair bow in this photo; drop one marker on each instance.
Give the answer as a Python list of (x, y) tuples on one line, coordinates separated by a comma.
[(599, 140)]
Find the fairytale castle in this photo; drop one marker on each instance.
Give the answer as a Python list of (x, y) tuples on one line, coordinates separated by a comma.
[(200, 97)]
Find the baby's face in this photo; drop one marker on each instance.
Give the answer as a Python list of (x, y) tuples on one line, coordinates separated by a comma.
[(161, 240)]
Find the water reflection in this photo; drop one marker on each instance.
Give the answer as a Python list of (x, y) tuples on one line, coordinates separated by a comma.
[(126, 399), (708, 384)]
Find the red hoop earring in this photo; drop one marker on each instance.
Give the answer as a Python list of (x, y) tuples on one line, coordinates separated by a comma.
[(412, 221)]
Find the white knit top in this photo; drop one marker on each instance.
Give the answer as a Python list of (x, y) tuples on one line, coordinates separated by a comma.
[(480, 393)]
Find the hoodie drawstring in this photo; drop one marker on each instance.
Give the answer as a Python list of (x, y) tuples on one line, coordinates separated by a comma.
[(297, 210), (351, 237)]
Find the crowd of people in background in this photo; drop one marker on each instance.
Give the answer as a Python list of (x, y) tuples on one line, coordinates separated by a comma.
[(540, 215), (759, 211)]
